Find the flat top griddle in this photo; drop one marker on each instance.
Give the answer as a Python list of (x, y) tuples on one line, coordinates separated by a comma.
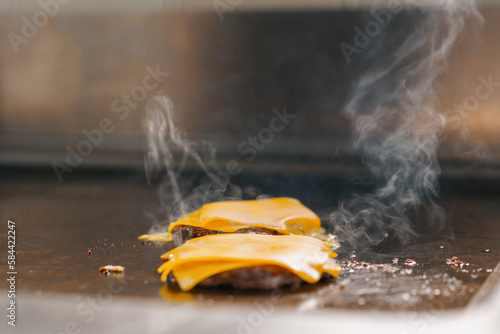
[(58, 222)]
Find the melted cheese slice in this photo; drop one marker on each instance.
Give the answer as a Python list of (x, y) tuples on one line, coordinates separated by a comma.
[(203, 257), (283, 215)]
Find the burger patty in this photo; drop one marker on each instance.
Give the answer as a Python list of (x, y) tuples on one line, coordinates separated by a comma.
[(251, 278), (183, 233)]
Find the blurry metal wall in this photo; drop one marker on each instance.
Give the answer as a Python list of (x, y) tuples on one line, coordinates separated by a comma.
[(226, 73)]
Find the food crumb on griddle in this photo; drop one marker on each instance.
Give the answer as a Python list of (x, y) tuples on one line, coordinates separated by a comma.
[(106, 270), (410, 262), (455, 261)]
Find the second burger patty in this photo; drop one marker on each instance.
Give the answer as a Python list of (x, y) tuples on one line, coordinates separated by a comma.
[(251, 278)]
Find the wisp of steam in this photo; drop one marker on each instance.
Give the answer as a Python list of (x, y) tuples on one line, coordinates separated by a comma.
[(396, 123), (169, 152)]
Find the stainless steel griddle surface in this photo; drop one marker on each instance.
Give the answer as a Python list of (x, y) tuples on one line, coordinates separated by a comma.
[(58, 222)]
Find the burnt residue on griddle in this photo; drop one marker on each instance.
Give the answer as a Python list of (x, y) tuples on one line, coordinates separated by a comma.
[(456, 262), (353, 266), (395, 286)]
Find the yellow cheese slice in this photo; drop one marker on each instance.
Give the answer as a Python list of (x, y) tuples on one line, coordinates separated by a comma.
[(203, 257), (284, 215)]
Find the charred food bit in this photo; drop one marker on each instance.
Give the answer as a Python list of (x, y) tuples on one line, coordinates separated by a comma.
[(410, 262), (454, 261), (106, 270)]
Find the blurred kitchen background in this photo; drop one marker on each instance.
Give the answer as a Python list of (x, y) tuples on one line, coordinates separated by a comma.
[(229, 64)]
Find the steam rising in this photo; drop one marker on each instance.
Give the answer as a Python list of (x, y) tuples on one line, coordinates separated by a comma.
[(170, 153), (396, 126)]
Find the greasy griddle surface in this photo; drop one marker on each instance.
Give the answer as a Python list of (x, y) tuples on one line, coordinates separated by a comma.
[(58, 223)]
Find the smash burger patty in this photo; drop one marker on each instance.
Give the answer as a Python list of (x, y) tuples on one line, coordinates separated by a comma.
[(273, 216), (248, 261), (252, 278)]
